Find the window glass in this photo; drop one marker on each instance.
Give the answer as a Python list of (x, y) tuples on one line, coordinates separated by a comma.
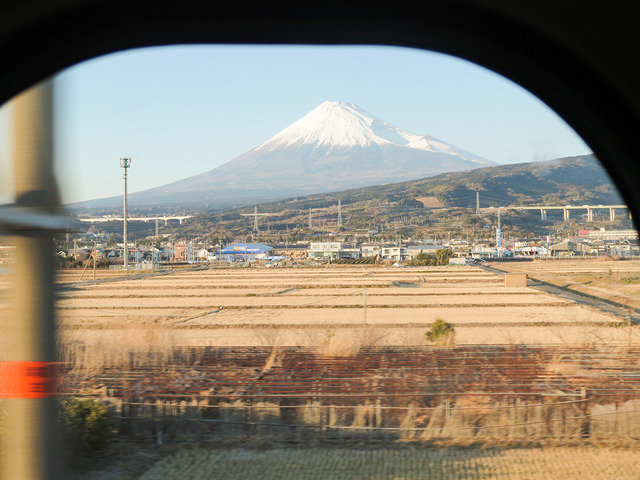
[(334, 259)]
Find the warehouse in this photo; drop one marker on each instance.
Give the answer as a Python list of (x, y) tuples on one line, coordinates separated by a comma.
[(242, 252)]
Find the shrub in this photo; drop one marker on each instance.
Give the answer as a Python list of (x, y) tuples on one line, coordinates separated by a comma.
[(87, 428), (423, 260), (426, 260), (441, 333)]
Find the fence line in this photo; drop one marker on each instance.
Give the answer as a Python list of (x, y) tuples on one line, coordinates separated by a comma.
[(350, 427), (569, 419), (526, 405)]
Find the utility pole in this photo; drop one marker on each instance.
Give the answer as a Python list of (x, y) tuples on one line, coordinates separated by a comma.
[(477, 204), (125, 162), (365, 294), (499, 236), (255, 219), (339, 213)]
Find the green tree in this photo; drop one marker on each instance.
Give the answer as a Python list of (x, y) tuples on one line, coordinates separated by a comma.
[(422, 260), (442, 256)]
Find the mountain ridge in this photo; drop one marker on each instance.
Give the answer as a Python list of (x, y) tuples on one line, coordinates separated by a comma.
[(568, 180), (334, 147), (449, 197)]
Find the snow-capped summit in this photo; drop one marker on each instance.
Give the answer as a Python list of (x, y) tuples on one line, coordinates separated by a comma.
[(334, 147), (341, 124)]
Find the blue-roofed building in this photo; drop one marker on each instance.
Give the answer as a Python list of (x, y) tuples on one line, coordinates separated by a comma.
[(239, 252)]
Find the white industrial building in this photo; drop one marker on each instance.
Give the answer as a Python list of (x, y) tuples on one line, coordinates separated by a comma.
[(332, 251)]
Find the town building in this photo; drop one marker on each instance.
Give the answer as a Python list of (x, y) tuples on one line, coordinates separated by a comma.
[(570, 248), (460, 248), (244, 252), (413, 251), (394, 253), (295, 251), (207, 254), (370, 249), (183, 252), (613, 234), (332, 251)]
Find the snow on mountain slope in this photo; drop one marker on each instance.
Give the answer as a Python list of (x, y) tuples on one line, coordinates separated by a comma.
[(336, 146), (340, 124), (336, 124)]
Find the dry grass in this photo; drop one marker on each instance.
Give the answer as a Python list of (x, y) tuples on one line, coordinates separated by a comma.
[(343, 343), (408, 463), (124, 347)]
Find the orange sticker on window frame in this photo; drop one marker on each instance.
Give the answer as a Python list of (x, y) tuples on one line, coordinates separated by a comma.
[(28, 379)]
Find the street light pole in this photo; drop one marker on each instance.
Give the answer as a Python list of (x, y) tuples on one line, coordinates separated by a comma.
[(125, 162)]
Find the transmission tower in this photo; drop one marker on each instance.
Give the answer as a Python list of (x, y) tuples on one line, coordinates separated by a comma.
[(339, 213), (309, 218)]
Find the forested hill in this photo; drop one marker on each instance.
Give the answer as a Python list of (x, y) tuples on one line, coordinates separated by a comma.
[(564, 181)]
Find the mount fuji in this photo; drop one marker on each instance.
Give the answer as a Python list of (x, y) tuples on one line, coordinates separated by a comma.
[(334, 147)]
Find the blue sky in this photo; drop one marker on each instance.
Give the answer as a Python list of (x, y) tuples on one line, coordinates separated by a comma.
[(179, 111)]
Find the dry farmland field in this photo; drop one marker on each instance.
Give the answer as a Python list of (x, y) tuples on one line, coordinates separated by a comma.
[(336, 356), (316, 306), (618, 280)]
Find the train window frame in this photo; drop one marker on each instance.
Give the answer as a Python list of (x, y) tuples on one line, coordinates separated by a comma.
[(593, 94)]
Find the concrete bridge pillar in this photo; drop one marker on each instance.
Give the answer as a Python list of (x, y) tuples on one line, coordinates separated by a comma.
[(543, 214), (589, 215), (180, 221), (565, 211), (612, 214)]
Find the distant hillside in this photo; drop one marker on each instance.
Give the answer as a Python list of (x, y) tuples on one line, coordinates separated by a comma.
[(572, 180), (410, 209)]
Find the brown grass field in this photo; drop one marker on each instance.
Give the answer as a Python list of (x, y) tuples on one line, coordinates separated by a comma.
[(303, 306), (338, 310)]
